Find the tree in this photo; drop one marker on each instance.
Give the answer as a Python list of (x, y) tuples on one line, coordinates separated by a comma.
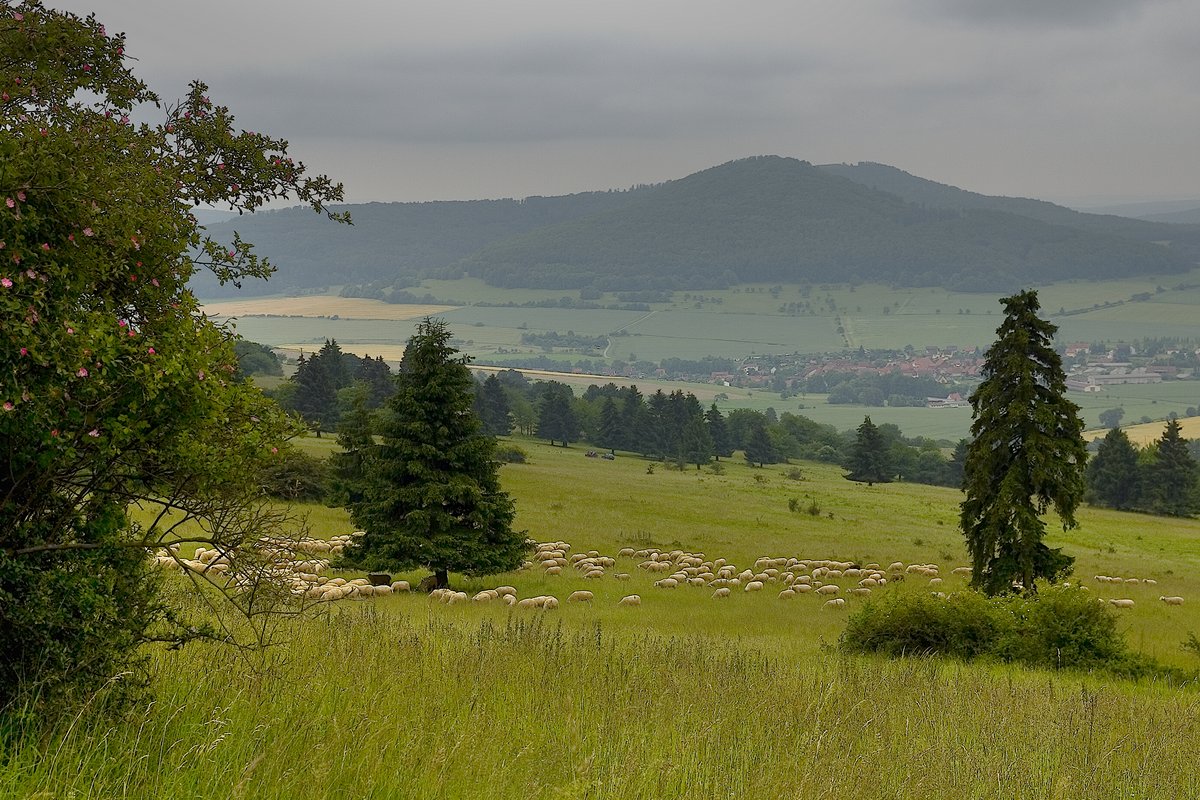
[(869, 460), (759, 448), (718, 432), (1026, 455), (493, 407), (115, 389), (556, 418), (608, 432), (431, 497), (1114, 473), (314, 397), (1171, 477), (1112, 417), (348, 467)]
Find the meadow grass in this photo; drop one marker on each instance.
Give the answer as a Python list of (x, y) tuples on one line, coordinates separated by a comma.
[(684, 696)]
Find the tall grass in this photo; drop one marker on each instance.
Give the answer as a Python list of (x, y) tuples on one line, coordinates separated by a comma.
[(368, 704)]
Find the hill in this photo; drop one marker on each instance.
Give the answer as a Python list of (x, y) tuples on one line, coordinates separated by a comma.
[(761, 219)]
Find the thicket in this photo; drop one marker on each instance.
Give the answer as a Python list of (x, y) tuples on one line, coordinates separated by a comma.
[(1061, 627)]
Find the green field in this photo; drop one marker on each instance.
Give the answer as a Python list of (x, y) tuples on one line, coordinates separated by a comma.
[(684, 696)]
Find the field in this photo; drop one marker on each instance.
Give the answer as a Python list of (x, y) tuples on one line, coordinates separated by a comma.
[(685, 696), (746, 320)]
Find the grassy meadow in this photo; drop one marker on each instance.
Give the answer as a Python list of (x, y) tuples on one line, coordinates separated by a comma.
[(684, 696)]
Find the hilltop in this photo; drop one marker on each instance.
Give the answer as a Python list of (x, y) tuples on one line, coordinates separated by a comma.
[(758, 219)]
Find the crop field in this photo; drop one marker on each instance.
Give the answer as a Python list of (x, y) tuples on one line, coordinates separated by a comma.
[(1146, 433), (684, 696)]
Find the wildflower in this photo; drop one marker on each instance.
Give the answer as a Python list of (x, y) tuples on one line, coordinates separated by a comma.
[(274, 449), (6, 283), (30, 274), (122, 322), (87, 232), (200, 375), (82, 373), (150, 350), (21, 196), (132, 333), (8, 201), (8, 406), (24, 351), (93, 433), (70, 330), (154, 281), (46, 246)]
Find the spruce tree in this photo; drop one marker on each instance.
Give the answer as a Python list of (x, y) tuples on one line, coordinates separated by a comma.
[(1114, 473), (609, 430), (432, 494), (493, 407), (1171, 487), (556, 418), (1026, 455), (348, 466), (718, 432), (759, 448), (870, 461)]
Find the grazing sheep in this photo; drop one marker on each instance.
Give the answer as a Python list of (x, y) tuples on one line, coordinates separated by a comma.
[(622, 576), (555, 570), (802, 588), (836, 602), (550, 603), (528, 602), (786, 594), (935, 581), (400, 586), (506, 590), (630, 600), (1150, 581), (828, 588), (722, 592), (1172, 601), (860, 591), (666, 583), (1122, 603), (753, 586), (580, 597)]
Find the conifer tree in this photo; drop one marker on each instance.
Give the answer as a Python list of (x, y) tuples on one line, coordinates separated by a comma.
[(556, 418), (1026, 455), (870, 461), (493, 407), (432, 494), (608, 432), (1114, 473), (718, 432), (1171, 478), (759, 448)]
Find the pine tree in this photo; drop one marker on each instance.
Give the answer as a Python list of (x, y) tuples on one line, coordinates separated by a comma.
[(1171, 486), (608, 432), (432, 496), (493, 407), (718, 432), (870, 461), (1114, 473), (377, 375), (759, 448), (315, 396), (1026, 455), (348, 467), (556, 418)]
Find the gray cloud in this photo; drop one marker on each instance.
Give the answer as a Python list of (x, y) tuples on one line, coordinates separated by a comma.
[(1040, 12)]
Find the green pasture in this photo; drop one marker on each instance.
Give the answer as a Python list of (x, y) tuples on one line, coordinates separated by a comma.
[(685, 696)]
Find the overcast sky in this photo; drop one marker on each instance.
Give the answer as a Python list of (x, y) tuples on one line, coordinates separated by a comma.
[(1077, 101)]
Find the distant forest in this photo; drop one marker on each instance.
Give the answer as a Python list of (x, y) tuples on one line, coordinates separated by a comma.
[(759, 219)]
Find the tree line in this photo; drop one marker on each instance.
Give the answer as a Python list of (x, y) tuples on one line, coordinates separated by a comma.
[(1160, 478)]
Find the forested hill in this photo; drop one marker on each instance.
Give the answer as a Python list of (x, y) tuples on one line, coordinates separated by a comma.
[(758, 219)]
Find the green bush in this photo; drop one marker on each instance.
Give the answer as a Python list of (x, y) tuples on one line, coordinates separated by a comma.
[(1059, 628), (295, 475), (510, 454)]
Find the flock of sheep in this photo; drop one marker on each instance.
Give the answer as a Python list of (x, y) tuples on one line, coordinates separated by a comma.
[(299, 566)]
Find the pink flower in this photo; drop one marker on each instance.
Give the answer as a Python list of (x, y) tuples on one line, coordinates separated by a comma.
[(70, 237), (87, 231), (6, 283), (200, 374), (274, 449), (54, 432), (21, 196), (124, 119), (154, 281), (46, 246), (232, 253), (8, 201), (30, 274), (70, 330), (87, 67), (8, 406), (82, 373), (150, 350), (93, 433), (122, 322), (18, 16), (24, 351), (132, 333)]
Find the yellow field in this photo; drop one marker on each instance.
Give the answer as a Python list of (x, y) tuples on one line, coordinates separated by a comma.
[(1189, 428), (321, 306)]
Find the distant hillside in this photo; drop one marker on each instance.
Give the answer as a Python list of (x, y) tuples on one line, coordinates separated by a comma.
[(1190, 216), (758, 219)]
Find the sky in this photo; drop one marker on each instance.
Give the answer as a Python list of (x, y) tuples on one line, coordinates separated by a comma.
[(1084, 102)]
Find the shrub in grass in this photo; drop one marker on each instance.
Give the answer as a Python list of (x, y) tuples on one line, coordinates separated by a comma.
[(510, 454), (296, 476), (1059, 628)]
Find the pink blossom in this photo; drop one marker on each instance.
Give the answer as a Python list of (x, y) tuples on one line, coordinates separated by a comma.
[(70, 237), (21, 196), (87, 232), (8, 201), (122, 322), (124, 119), (82, 373), (70, 329), (30, 274), (87, 67), (154, 281), (16, 258), (8, 406), (18, 16), (132, 333), (200, 374), (46, 246), (274, 449), (150, 350), (54, 432), (6, 283), (24, 351), (93, 433), (232, 254)]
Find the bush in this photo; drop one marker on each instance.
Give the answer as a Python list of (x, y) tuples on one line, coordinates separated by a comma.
[(510, 454), (794, 474), (295, 475), (1060, 628)]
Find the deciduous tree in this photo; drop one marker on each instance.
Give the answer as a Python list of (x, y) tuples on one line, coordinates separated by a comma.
[(114, 388), (1026, 455)]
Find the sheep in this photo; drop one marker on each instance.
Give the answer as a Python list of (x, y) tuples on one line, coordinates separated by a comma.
[(506, 590), (550, 603), (666, 583), (528, 602), (1121, 603), (721, 592), (828, 588), (400, 586), (626, 552), (630, 600), (753, 586), (1150, 581), (935, 581), (580, 596), (802, 588), (487, 595), (622, 576), (836, 602), (555, 570), (786, 594), (1172, 601), (860, 591)]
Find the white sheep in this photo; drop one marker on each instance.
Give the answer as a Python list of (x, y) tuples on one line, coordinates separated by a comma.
[(721, 592), (1122, 602), (828, 588), (400, 586), (753, 586), (630, 600), (580, 596), (1172, 601), (786, 594), (836, 602)]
